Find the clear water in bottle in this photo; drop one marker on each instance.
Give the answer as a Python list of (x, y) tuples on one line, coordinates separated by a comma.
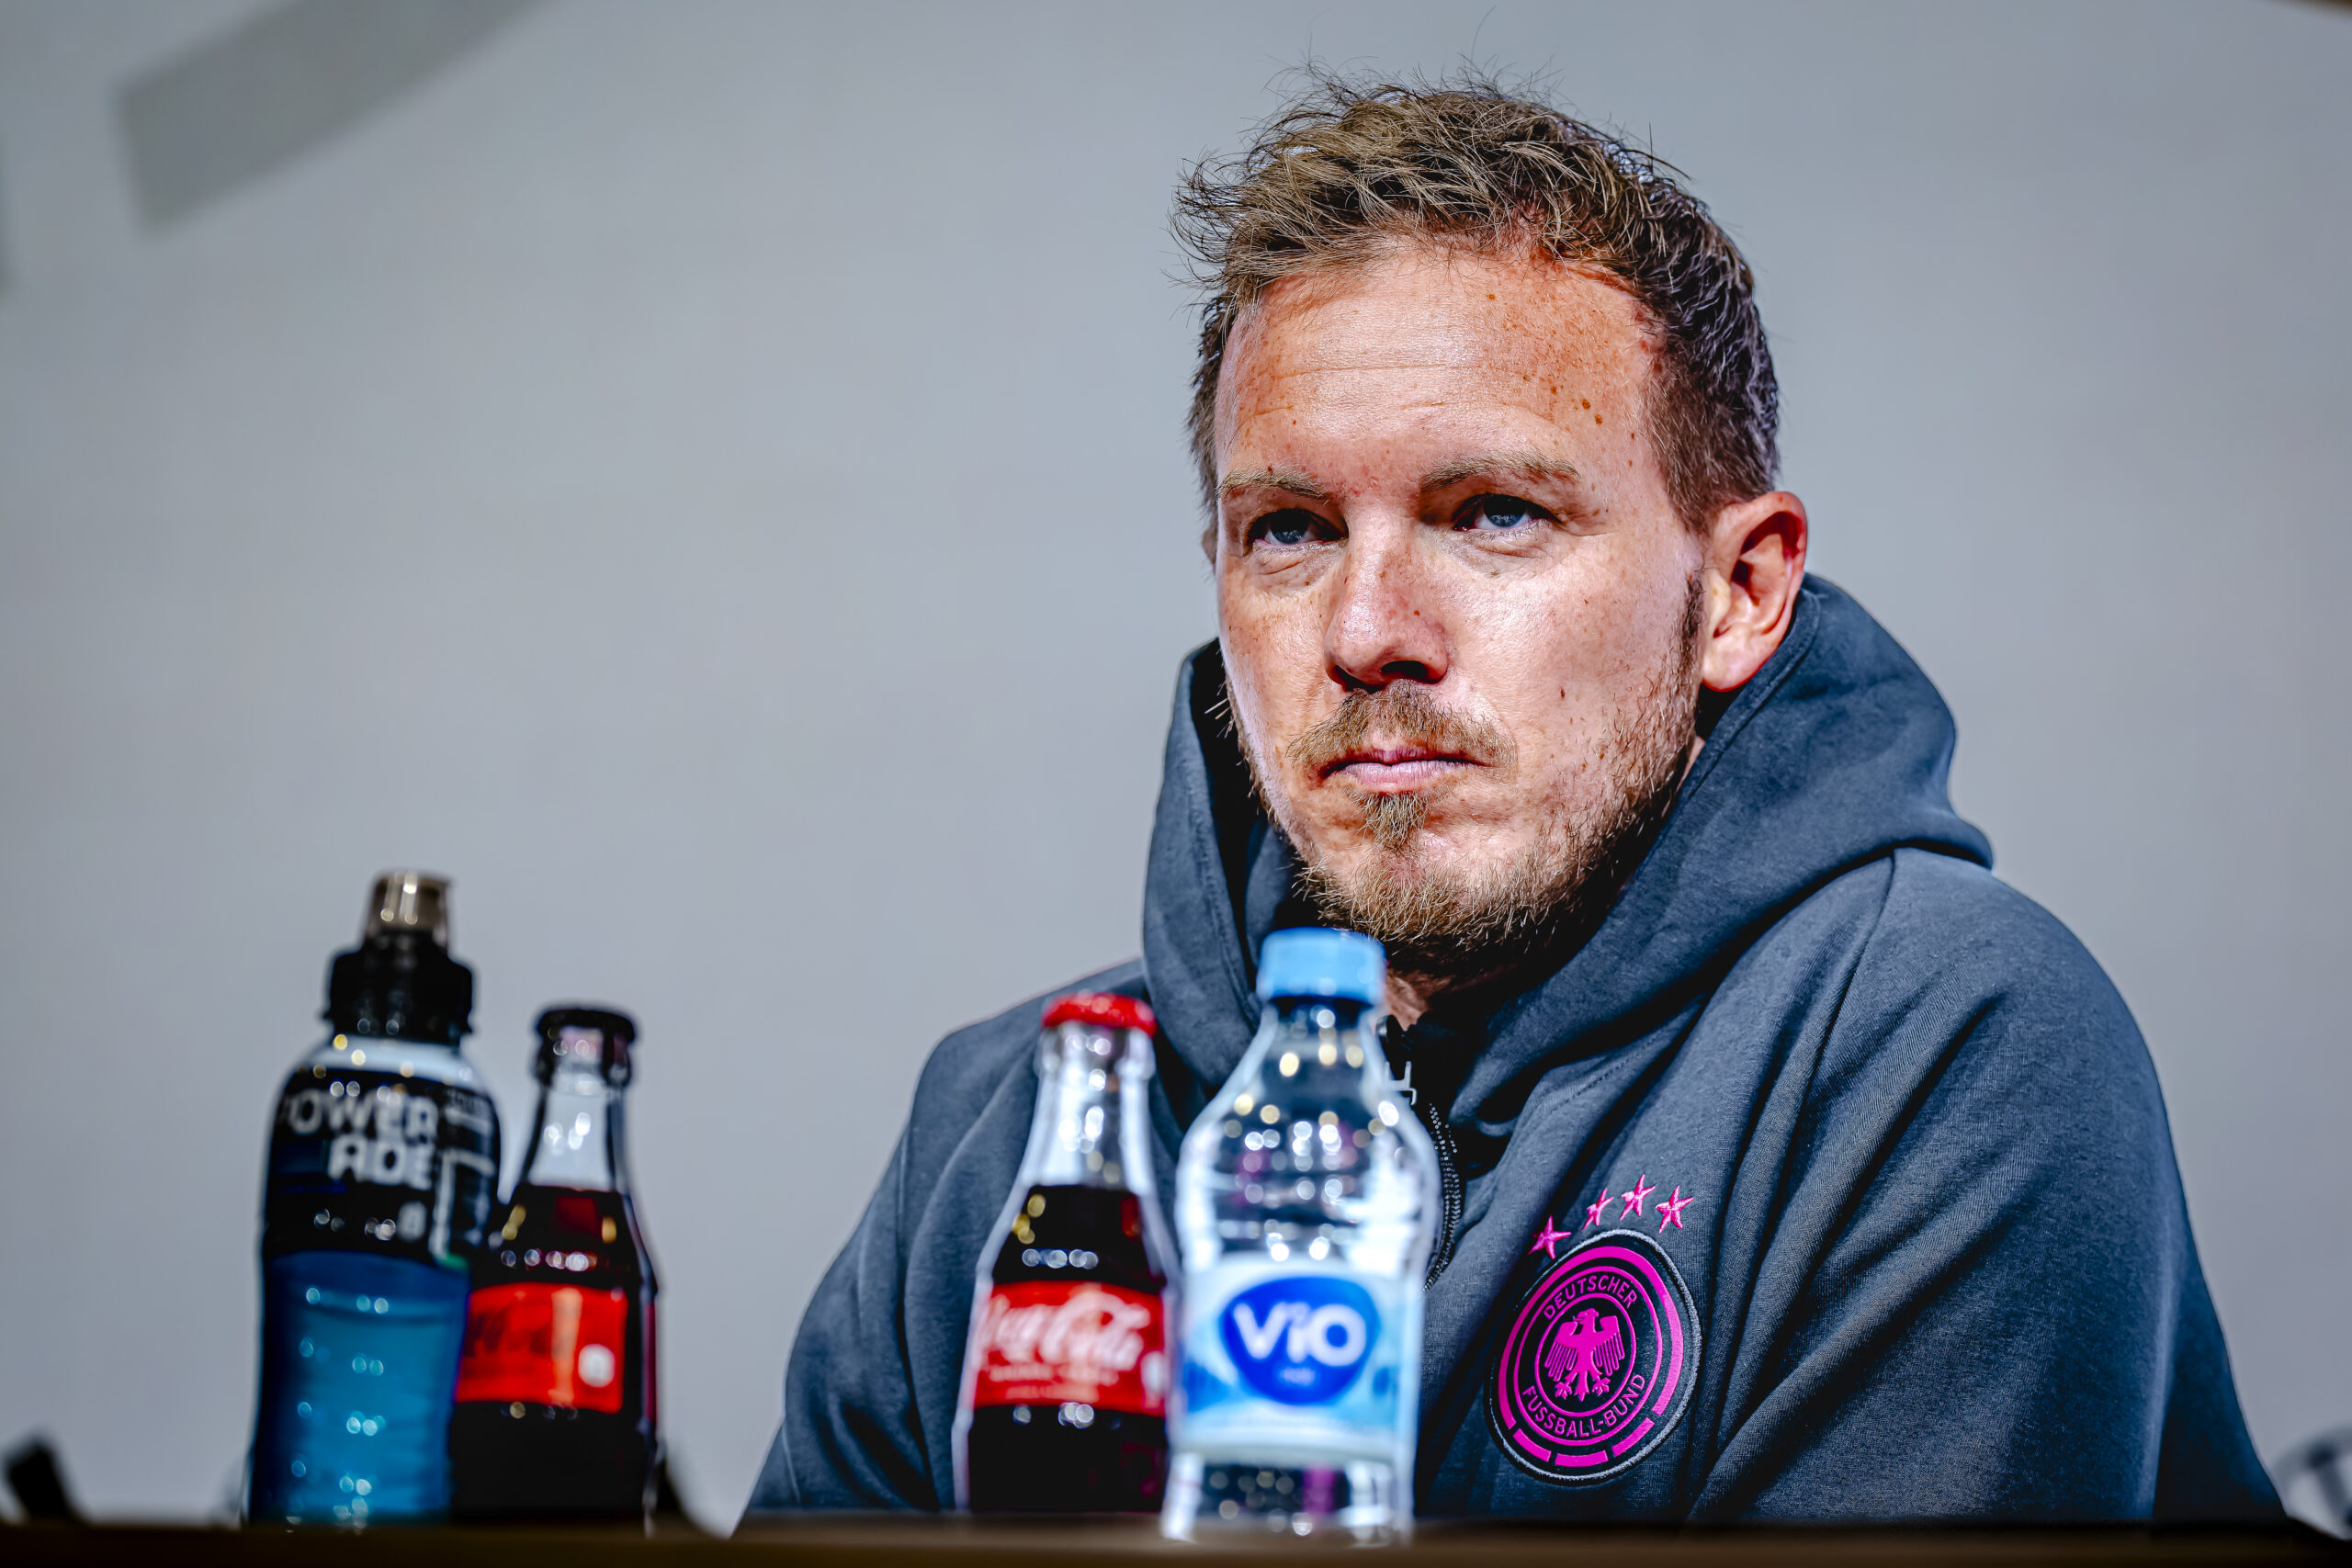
[(1305, 1201)]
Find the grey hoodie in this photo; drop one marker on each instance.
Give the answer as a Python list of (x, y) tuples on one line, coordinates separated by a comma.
[(1871, 1143)]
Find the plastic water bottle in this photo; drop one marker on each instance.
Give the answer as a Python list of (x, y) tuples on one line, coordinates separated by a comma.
[(383, 1164), (1305, 1200)]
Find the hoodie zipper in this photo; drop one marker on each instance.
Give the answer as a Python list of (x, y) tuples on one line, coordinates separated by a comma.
[(1397, 1043)]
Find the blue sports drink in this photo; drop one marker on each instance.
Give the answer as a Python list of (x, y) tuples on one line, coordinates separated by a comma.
[(382, 1167), (1305, 1203)]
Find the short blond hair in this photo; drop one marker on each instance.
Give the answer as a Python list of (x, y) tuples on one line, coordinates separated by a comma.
[(1348, 168)]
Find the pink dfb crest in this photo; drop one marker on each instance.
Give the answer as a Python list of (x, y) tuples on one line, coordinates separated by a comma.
[(1586, 1354), (1598, 1363)]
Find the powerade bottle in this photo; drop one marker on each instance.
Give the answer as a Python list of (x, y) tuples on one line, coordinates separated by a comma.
[(1305, 1199), (382, 1167)]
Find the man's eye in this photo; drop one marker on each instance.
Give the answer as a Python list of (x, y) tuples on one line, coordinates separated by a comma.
[(1498, 514), (1288, 529)]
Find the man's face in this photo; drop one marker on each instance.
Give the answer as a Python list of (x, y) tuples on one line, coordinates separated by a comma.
[(1460, 618)]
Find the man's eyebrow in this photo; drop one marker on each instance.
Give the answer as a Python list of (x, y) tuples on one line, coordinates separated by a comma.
[(1289, 480), (1528, 465)]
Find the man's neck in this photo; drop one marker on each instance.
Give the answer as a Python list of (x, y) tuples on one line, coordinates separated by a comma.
[(1410, 994), (1409, 997)]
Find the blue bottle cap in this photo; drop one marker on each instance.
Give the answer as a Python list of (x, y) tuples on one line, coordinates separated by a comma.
[(1315, 961)]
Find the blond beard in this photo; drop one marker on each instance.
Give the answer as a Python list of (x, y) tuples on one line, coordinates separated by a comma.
[(1462, 925)]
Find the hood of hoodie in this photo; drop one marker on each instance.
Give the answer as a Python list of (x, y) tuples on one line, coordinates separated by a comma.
[(1836, 753)]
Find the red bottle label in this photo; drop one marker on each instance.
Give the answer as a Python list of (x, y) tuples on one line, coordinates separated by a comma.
[(1044, 1342), (545, 1345)]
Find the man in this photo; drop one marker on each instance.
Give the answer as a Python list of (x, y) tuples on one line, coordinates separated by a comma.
[(1518, 671)]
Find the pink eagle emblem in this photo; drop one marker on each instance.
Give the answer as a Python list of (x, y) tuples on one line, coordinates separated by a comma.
[(1584, 1355)]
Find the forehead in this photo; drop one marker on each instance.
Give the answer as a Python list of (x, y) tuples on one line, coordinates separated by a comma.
[(1430, 336)]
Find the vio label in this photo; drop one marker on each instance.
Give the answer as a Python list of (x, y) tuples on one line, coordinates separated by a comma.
[(1301, 1341)]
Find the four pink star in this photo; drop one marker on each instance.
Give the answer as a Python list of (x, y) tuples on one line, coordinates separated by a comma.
[(1640, 1194), (1670, 1212)]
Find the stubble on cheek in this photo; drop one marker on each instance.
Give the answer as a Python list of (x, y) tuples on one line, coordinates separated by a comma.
[(1451, 917)]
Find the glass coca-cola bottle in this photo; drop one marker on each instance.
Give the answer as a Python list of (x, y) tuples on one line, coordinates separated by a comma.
[(1064, 1395), (556, 1410)]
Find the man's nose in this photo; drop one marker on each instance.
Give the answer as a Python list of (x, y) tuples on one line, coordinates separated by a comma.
[(1385, 625)]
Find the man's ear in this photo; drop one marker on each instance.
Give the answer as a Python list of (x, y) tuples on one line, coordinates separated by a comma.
[(1755, 562)]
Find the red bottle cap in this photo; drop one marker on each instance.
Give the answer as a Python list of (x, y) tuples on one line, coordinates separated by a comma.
[(1103, 1008)]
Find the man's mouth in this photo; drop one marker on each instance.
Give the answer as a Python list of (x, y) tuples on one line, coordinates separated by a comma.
[(1395, 769), (1398, 745)]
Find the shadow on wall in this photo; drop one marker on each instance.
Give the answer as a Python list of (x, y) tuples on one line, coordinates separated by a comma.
[(260, 97)]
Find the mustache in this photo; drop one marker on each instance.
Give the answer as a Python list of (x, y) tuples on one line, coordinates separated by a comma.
[(1402, 715)]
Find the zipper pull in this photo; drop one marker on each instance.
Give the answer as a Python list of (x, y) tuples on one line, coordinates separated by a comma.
[(1394, 1046), (1397, 1045)]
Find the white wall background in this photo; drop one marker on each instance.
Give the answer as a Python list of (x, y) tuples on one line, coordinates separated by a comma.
[(707, 477)]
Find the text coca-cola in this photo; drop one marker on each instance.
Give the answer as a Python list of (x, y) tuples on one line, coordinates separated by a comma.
[(1099, 1344)]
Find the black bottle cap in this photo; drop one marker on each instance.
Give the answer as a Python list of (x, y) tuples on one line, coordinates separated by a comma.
[(596, 1037), (399, 981)]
